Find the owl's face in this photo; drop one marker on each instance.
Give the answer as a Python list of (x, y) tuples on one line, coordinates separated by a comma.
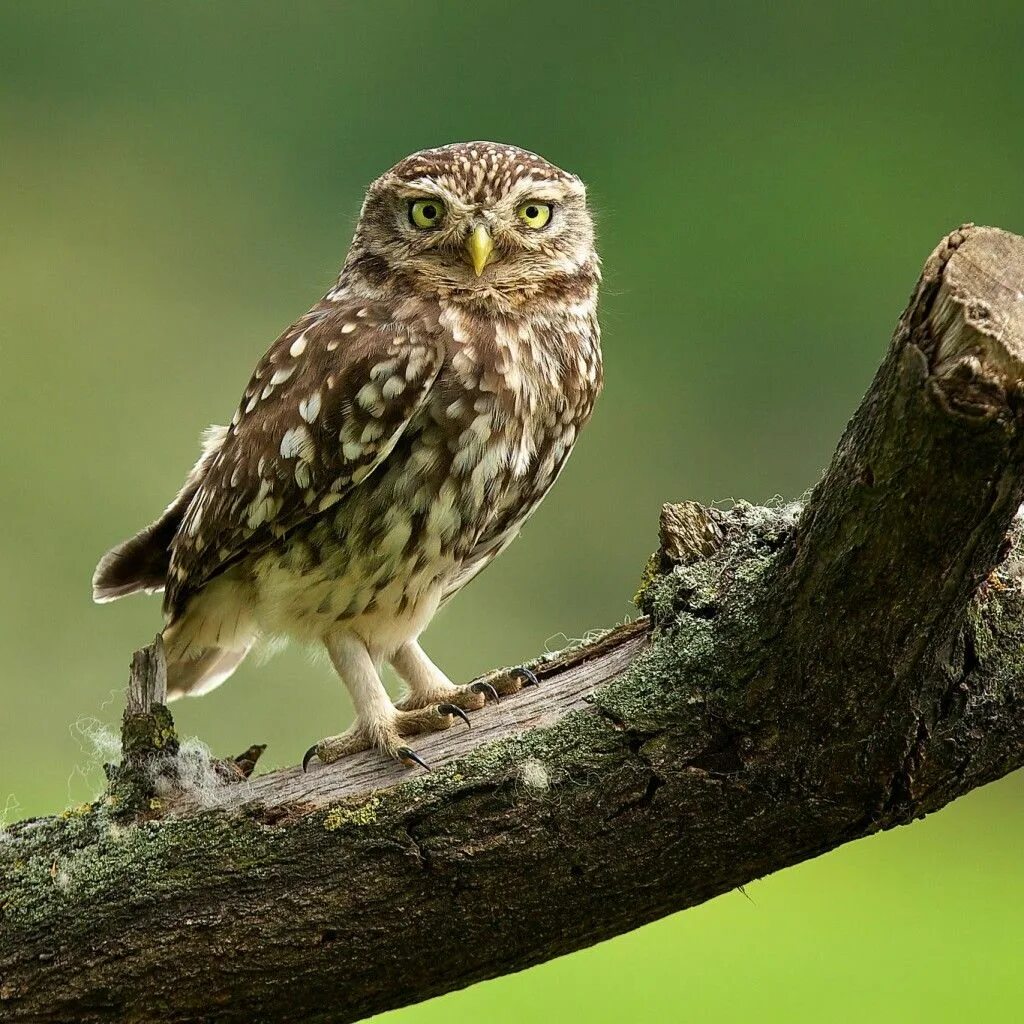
[(475, 219)]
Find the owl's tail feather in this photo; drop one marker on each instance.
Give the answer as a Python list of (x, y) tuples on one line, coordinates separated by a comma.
[(194, 676), (139, 564), (209, 640)]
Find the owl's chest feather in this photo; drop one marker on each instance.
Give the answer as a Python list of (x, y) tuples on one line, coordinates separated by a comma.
[(509, 404), (496, 428)]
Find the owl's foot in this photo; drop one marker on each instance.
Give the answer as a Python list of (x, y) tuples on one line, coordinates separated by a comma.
[(386, 736), (472, 696), (511, 680)]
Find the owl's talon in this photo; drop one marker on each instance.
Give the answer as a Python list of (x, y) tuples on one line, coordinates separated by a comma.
[(454, 709), (527, 675), (487, 690), (410, 758), (308, 756)]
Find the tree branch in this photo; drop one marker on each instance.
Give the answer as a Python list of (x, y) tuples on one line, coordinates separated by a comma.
[(801, 678)]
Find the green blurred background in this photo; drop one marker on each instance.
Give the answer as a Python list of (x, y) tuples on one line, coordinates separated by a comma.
[(178, 181)]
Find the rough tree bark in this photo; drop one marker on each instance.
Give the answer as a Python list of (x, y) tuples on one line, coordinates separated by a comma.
[(801, 678)]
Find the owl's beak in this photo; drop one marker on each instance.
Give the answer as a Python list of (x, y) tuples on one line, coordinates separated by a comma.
[(479, 245)]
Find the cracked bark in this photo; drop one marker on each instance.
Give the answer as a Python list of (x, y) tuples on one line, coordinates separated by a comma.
[(801, 678)]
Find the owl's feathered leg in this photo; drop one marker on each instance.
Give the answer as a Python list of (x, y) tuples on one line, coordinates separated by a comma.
[(429, 685), (379, 724)]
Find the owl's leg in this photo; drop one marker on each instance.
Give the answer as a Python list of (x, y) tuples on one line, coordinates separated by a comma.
[(379, 724), (429, 685)]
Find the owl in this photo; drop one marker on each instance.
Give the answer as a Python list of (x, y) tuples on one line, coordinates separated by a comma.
[(390, 444)]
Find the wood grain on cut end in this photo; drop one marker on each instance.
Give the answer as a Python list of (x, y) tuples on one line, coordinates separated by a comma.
[(977, 316)]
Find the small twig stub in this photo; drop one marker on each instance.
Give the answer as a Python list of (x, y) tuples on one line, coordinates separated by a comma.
[(147, 684)]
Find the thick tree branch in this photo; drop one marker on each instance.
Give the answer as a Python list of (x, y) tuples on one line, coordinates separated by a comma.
[(801, 678)]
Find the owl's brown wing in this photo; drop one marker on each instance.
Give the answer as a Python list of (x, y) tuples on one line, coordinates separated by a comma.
[(325, 406)]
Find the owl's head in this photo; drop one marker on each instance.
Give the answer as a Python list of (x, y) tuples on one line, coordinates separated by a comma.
[(475, 219)]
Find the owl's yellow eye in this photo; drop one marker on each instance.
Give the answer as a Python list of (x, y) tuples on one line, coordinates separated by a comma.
[(426, 213), (534, 215)]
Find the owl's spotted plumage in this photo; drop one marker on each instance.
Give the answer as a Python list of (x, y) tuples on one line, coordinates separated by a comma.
[(392, 441)]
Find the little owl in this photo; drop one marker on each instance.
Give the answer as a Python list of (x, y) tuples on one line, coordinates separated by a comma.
[(390, 443)]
